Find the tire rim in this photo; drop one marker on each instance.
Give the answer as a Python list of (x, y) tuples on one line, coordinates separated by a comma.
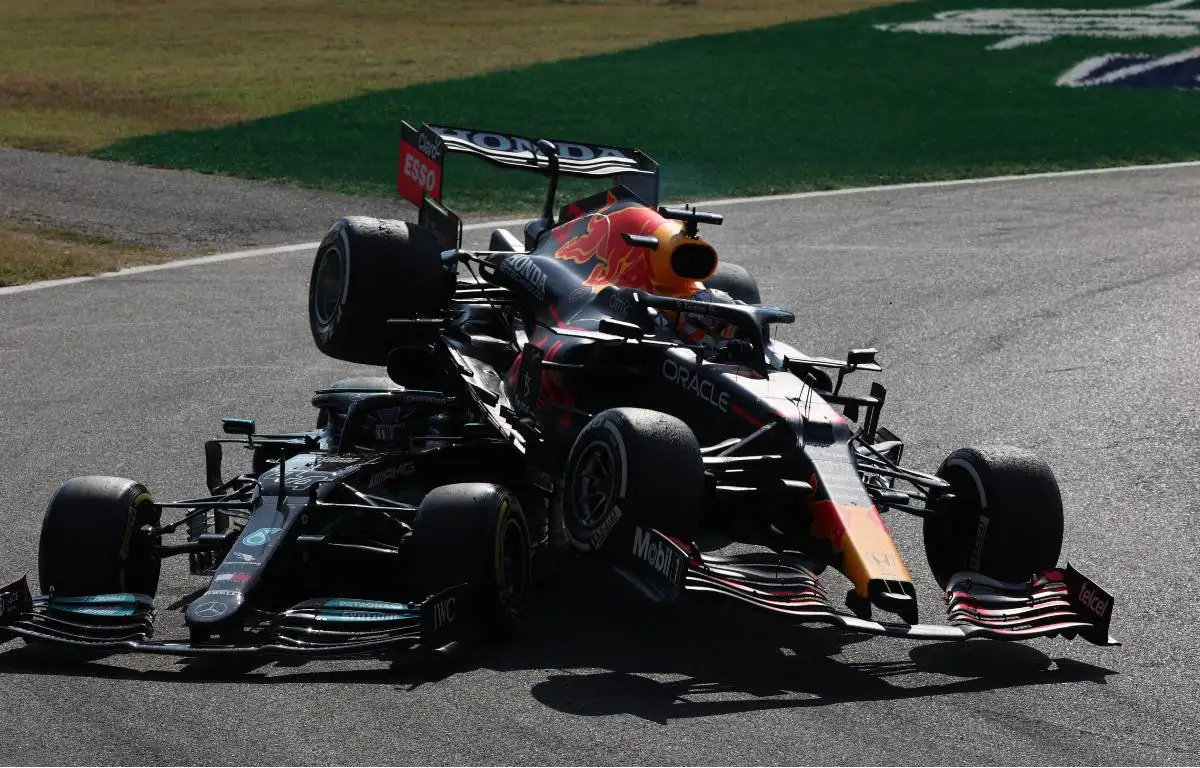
[(513, 573), (595, 485), (328, 295)]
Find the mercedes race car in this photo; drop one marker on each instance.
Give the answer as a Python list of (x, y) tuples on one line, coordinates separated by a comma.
[(640, 381), (378, 531)]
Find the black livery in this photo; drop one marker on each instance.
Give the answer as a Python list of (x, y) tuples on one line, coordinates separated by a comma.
[(641, 381), (375, 532), (601, 386)]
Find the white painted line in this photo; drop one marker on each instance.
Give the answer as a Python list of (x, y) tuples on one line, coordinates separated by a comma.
[(1077, 76), (1170, 5), (281, 249), (216, 258), (950, 183)]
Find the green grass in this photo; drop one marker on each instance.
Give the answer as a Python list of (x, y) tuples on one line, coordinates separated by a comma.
[(29, 253), (807, 105), (76, 75)]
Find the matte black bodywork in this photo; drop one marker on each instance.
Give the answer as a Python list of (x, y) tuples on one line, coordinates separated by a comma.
[(306, 554), (542, 353), (547, 336)]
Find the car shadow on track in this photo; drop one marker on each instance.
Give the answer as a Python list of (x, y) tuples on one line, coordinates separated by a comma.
[(669, 662), (605, 651)]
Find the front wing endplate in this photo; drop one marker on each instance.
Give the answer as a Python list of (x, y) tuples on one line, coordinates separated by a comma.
[(1060, 601)]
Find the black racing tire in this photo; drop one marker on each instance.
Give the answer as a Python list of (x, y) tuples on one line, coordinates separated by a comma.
[(735, 280), (632, 466), (366, 272), (1005, 522), (477, 534), (95, 539)]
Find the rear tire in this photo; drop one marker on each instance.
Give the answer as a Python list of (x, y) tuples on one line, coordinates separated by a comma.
[(1006, 521), (735, 280), (94, 539), (366, 272), (475, 533), (632, 466)]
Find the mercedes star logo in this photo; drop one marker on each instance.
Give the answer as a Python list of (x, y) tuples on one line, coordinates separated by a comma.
[(210, 609)]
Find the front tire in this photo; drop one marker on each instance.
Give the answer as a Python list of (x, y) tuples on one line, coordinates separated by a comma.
[(632, 466), (95, 539), (475, 533), (1006, 521)]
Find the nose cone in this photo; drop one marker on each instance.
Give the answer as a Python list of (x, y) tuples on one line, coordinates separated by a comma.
[(213, 607)]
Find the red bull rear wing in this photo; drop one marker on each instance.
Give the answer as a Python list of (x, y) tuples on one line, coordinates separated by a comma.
[(423, 151)]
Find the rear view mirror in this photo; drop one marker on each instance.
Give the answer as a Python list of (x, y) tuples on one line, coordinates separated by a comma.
[(212, 465), (858, 357), (238, 426)]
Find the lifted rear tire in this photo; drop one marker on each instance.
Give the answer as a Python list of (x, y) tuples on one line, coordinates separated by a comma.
[(95, 539), (1006, 521), (475, 533), (366, 272), (632, 466)]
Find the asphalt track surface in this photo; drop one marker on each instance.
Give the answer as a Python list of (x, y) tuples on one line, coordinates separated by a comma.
[(176, 211), (1057, 314)]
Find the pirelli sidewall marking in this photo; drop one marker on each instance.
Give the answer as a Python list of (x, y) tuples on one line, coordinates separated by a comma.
[(605, 528), (336, 244), (606, 433), (618, 444)]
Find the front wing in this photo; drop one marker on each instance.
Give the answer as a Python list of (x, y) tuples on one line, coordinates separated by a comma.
[(338, 627), (1058, 602)]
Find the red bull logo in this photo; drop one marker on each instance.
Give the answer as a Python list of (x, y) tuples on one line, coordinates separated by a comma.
[(614, 262)]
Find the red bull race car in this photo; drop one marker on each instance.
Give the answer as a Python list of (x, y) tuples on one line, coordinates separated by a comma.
[(660, 422)]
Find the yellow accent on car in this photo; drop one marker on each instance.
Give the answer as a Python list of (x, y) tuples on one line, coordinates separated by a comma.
[(670, 236), (868, 552)]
